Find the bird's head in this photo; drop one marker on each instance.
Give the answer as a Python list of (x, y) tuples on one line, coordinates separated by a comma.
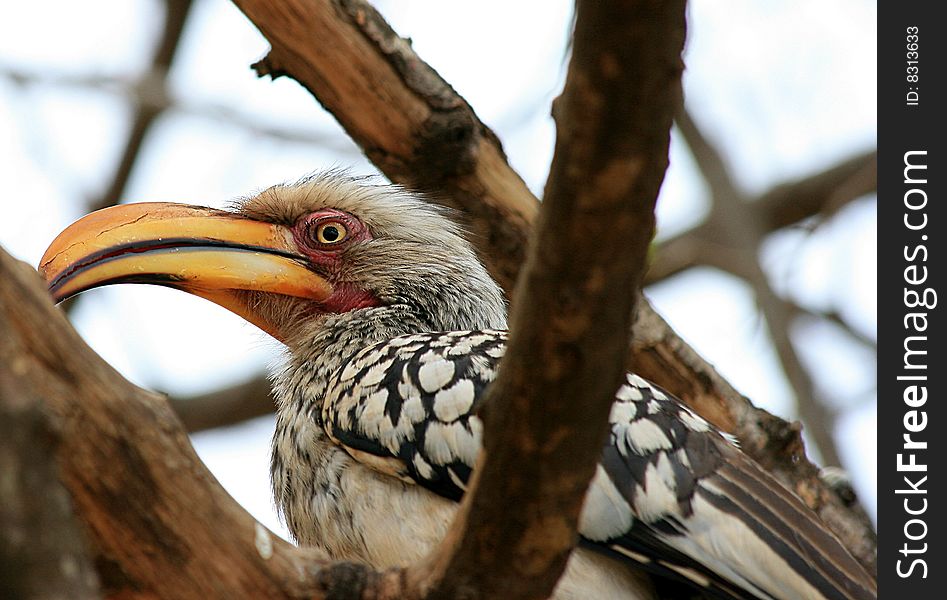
[(292, 254)]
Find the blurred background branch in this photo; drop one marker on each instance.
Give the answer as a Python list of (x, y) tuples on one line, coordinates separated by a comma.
[(150, 86), (740, 224)]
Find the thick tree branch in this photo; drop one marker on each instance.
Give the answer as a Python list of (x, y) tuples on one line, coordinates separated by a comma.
[(157, 523), (419, 132), (573, 303), (43, 553)]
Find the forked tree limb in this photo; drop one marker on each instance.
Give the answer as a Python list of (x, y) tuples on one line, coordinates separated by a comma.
[(744, 232), (419, 132)]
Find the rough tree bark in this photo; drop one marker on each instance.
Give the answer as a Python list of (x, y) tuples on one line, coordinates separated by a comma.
[(156, 522), (419, 132), (573, 303), (42, 550)]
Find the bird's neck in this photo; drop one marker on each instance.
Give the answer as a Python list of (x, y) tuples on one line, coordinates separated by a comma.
[(323, 346), (468, 299), (303, 458)]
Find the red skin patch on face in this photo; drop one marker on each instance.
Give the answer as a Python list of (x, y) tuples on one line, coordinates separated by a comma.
[(326, 257), (347, 297)]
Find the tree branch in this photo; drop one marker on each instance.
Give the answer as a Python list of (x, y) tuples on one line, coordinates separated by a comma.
[(155, 519), (819, 195), (157, 523), (150, 101), (709, 161), (146, 113), (743, 230), (43, 553), (226, 406), (836, 318), (548, 408), (159, 99), (746, 221)]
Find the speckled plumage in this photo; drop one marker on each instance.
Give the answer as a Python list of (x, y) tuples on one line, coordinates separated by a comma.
[(375, 437)]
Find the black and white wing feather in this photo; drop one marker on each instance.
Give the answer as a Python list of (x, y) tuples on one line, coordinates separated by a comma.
[(406, 406), (697, 500), (671, 492)]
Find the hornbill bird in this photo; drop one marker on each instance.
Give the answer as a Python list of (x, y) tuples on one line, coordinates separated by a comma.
[(394, 330)]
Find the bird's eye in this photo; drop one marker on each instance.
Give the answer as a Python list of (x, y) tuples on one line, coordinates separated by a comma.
[(328, 231), (331, 232)]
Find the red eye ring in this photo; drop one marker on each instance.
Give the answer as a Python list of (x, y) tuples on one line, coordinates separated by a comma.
[(328, 231)]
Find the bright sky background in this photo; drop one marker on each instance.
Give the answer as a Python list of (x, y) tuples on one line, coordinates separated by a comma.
[(783, 87)]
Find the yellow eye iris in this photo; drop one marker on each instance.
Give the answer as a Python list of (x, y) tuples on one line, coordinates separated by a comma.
[(331, 232)]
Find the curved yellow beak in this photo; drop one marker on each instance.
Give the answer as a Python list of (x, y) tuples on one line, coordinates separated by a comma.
[(206, 252)]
